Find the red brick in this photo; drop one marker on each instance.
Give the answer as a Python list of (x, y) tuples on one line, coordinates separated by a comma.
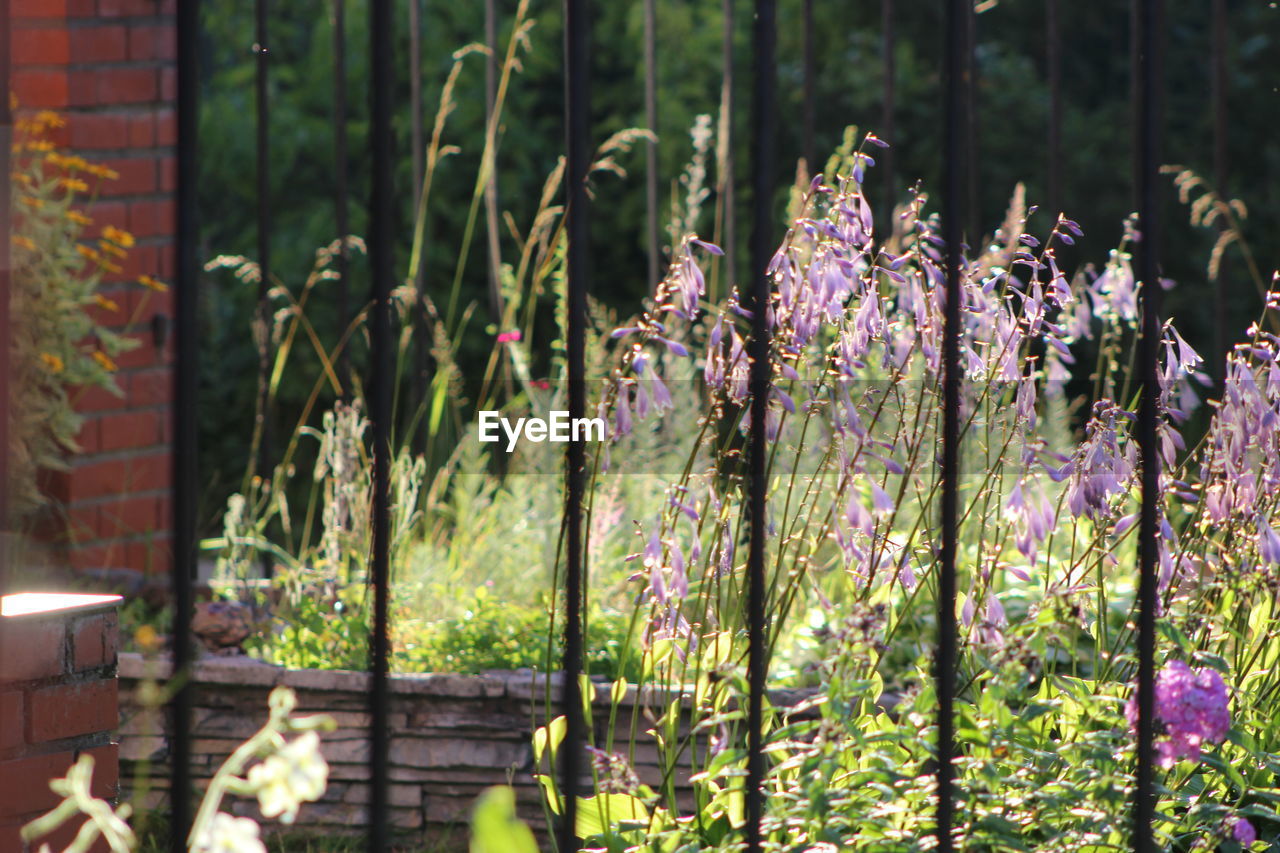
[(168, 174), (152, 42), (106, 771), (104, 86), (11, 719), (143, 355), (24, 782), (153, 556), (151, 387), (42, 46), (127, 8), (104, 213), (99, 44), (38, 8), (70, 710), (152, 218), (127, 430), (87, 439), (83, 523), (100, 479), (82, 8), (169, 84), (93, 641), (137, 176), (166, 127), (128, 517), (31, 647), (142, 131), (96, 131), (62, 837), (38, 89), (95, 556), (95, 399)]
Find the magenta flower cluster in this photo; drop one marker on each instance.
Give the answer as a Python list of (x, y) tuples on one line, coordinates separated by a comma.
[(1191, 710)]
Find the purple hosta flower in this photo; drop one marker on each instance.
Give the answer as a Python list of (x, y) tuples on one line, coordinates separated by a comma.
[(1191, 710), (1268, 542), (668, 580), (1032, 515), (613, 771), (651, 391), (1242, 831), (685, 285), (724, 565), (1115, 293), (994, 621), (1102, 466), (1181, 362), (622, 410), (731, 372), (1025, 403)]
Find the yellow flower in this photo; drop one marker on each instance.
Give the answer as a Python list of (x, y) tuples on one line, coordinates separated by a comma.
[(89, 253), (147, 638), (77, 217), (111, 267), (100, 171), (23, 241), (118, 236), (149, 282), (105, 361), (55, 159), (112, 249), (105, 303), (39, 145), (32, 202), (74, 185), (74, 163), (50, 118), (22, 178), (52, 361)]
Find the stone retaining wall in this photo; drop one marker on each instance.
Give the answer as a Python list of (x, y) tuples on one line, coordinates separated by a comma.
[(452, 736)]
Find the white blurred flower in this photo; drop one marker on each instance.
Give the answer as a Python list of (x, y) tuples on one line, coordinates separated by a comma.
[(229, 834), (294, 775)]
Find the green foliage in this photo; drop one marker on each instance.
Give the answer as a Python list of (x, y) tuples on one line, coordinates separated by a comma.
[(64, 337)]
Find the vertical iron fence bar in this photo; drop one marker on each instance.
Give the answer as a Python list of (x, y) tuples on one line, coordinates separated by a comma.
[(972, 210), (381, 369), (185, 384), (340, 192), (1149, 111), (953, 206), (421, 341), (491, 186), (6, 137), (1053, 27), (729, 220), (651, 148), (810, 75), (1219, 97), (764, 154), (887, 41), (263, 151), (577, 71)]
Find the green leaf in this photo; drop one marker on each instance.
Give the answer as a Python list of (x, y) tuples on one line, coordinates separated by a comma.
[(598, 814), (495, 827), (551, 735)]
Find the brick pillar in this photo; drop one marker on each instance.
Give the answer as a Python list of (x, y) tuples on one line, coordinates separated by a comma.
[(58, 700), (108, 67)]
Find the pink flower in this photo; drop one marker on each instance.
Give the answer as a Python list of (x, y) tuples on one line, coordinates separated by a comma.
[(1191, 709), (509, 337), (1243, 831)]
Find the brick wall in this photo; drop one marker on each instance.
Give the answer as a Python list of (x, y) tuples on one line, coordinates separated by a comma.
[(108, 67), (58, 699)]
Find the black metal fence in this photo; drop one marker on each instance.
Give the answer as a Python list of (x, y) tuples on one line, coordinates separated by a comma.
[(960, 163)]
